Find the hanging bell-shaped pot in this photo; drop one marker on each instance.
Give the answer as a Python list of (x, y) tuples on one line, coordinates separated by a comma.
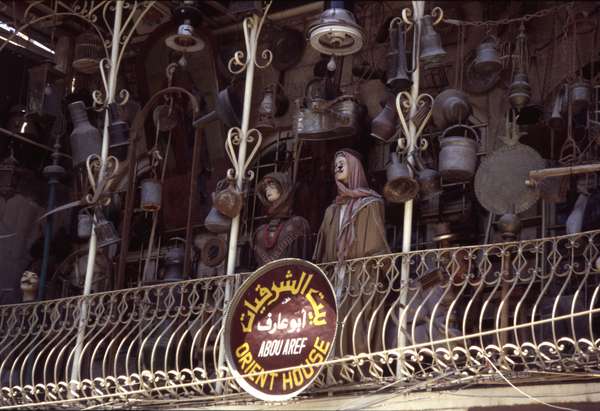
[(520, 91), (397, 73), (383, 126), (228, 200), (400, 186), (556, 120), (85, 138), (450, 107), (217, 223), (106, 233), (581, 96), (487, 61), (458, 154), (432, 52), (510, 226), (84, 225), (150, 196), (174, 263)]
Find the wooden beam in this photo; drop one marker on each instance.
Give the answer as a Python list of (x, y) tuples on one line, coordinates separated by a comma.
[(537, 175)]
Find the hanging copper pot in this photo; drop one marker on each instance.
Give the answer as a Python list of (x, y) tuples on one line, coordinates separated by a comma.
[(217, 223), (581, 96), (227, 199), (383, 126), (487, 60), (450, 107), (150, 195), (400, 186), (458, 154)]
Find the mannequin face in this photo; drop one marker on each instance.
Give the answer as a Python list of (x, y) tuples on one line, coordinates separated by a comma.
[(341, 169), (272, 192), (29, 281)]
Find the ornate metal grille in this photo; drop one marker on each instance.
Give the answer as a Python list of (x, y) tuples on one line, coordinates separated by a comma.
[(466, 314)]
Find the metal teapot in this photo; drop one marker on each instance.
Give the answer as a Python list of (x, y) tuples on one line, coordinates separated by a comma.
[(383, 126), (217, 223)]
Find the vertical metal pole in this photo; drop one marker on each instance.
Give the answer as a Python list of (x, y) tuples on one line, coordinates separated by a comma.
[(89, 271), (418, 9)]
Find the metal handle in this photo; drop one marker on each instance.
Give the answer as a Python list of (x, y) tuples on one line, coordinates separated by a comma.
[(471, 129)]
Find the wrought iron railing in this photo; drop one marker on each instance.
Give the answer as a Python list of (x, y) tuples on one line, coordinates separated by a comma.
[(466, 314)]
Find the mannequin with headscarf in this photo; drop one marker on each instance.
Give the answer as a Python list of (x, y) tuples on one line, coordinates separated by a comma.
[(353, 227), (284, 235)]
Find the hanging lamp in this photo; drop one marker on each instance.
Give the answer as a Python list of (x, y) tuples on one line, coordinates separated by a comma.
[(187, 15), (336, 33)]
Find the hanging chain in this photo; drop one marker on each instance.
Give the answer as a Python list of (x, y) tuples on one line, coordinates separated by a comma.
[(506, 21)]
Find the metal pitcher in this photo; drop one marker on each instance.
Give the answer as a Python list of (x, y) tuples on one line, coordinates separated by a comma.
[(432, 52), (227, 199), (400, 186), (216, 222), (383, 126), (151, 194), (450, 107), (458, 154)]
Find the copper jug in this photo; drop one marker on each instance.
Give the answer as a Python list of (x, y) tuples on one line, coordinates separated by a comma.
[(400, 186), (227, 199), (383, 126)]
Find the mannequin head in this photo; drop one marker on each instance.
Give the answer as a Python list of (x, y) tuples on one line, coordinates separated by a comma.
[(29, 285), (272, 191), (340, 168)]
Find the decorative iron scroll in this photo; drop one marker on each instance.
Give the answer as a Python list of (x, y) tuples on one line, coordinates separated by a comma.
[(529, 306)]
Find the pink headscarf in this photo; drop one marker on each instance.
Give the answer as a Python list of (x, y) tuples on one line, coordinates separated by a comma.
[(355, 194)]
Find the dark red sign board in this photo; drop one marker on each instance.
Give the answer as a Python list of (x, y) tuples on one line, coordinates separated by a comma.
[(283, 315)]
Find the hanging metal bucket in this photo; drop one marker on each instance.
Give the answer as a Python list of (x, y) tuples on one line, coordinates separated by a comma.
[(84, 225), (216, 222), (400, 186), (458, 155), (174, 264), (151, 193), (581, 96)]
